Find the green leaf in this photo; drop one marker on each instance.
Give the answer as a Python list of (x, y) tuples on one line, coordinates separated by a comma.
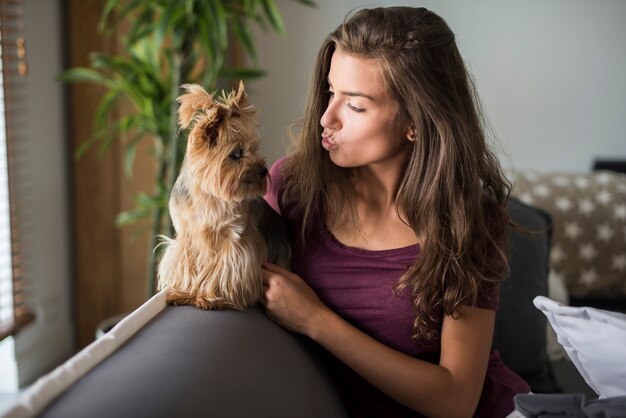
[(115, 131), (188, 65), (307, 3), (204, 35), (180, 27), (273, 16), (130, 6), (189, 4), (222, 29), (131, 151), (145, 58), (141, 27), (129, 159), (245, 73), (83, 75), (108, 8), (244, 35), (83, 147), (105, 107), (105, 144), (162, 28), (124, 66), (131, 216), (145, 201)]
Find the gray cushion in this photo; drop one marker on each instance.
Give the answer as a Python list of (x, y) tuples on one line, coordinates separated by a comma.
[(569, 405), (191, 363), (520, 333)]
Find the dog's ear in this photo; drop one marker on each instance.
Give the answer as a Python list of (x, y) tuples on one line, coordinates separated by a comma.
[(241, 98), (195, 98), (237, 102), (210, 125)]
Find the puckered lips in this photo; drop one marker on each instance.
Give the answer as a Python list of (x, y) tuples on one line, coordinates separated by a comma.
[(327, 142)]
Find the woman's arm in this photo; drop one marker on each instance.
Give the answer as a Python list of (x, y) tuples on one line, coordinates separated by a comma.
[(450, 389)]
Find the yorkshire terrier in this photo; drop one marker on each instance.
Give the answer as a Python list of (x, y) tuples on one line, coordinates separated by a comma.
[(224, 228)]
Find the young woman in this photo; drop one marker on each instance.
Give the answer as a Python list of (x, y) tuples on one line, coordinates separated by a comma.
[(398, 213)]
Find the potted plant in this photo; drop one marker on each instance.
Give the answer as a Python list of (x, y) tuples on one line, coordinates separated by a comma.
[(168, 43)]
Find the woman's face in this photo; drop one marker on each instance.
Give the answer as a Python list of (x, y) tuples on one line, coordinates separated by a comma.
[(358, 123)]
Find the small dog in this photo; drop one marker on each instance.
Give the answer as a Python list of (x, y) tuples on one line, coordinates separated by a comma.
[(224, 228)]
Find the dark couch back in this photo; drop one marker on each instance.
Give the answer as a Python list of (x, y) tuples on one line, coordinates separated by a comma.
[(520, 334)]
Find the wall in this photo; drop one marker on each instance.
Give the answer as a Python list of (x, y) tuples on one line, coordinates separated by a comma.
[(49, 340), (550, 74), (110, 263)]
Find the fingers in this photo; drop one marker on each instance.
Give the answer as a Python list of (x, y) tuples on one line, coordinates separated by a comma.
[(271, 271), (270, 281), (276, 269), (269, 276), (265, 276)]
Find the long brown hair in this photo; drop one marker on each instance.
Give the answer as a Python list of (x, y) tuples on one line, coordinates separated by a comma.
[(453, 193)]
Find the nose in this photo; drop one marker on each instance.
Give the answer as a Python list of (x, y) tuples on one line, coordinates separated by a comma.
[(330, 119), (254, 175)]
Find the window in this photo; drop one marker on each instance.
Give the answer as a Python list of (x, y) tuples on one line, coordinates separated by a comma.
[(14, 312), (38, 169)]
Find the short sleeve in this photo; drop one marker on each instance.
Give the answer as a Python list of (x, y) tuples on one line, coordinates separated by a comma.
[(488, 296), (276, 185)]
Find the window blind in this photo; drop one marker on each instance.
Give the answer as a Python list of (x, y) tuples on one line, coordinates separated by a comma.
[(15, 268)]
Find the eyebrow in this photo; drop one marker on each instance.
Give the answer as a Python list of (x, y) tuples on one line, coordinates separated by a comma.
[(353, 93)]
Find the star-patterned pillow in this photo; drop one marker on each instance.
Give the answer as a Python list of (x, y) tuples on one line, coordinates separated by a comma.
[(589, 220)]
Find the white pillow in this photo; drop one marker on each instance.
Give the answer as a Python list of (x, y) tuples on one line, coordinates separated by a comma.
[(595, 340), (557, 292)]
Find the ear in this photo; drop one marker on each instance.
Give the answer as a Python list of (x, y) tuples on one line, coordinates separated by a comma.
[(237, 102), (195, 98), (241, 98), (211, 124), (411, 134)]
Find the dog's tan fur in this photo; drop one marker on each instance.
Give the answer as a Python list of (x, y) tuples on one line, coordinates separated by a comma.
[(215, 260)]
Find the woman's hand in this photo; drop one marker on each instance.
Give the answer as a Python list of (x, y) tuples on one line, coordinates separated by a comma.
[(290, 302)]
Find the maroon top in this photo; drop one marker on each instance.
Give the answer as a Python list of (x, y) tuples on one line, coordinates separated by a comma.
[(358, 285)]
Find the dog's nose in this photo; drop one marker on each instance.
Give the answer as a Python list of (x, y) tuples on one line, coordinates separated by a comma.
[(262, 172)]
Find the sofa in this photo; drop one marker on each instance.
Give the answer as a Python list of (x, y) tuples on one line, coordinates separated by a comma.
[(586, 225), (177, 361)]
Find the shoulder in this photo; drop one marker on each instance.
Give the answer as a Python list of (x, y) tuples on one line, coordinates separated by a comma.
[(488, 296)]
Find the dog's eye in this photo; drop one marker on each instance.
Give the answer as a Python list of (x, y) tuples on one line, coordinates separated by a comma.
[(236, 154)]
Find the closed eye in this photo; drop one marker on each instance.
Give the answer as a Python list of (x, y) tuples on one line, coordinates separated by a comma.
[(356, 109), (331, 95)]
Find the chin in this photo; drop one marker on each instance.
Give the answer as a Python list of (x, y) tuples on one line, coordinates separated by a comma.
[(339, 161)]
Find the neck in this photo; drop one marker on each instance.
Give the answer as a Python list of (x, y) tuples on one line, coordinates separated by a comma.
[(379, 224), (378, 185)]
